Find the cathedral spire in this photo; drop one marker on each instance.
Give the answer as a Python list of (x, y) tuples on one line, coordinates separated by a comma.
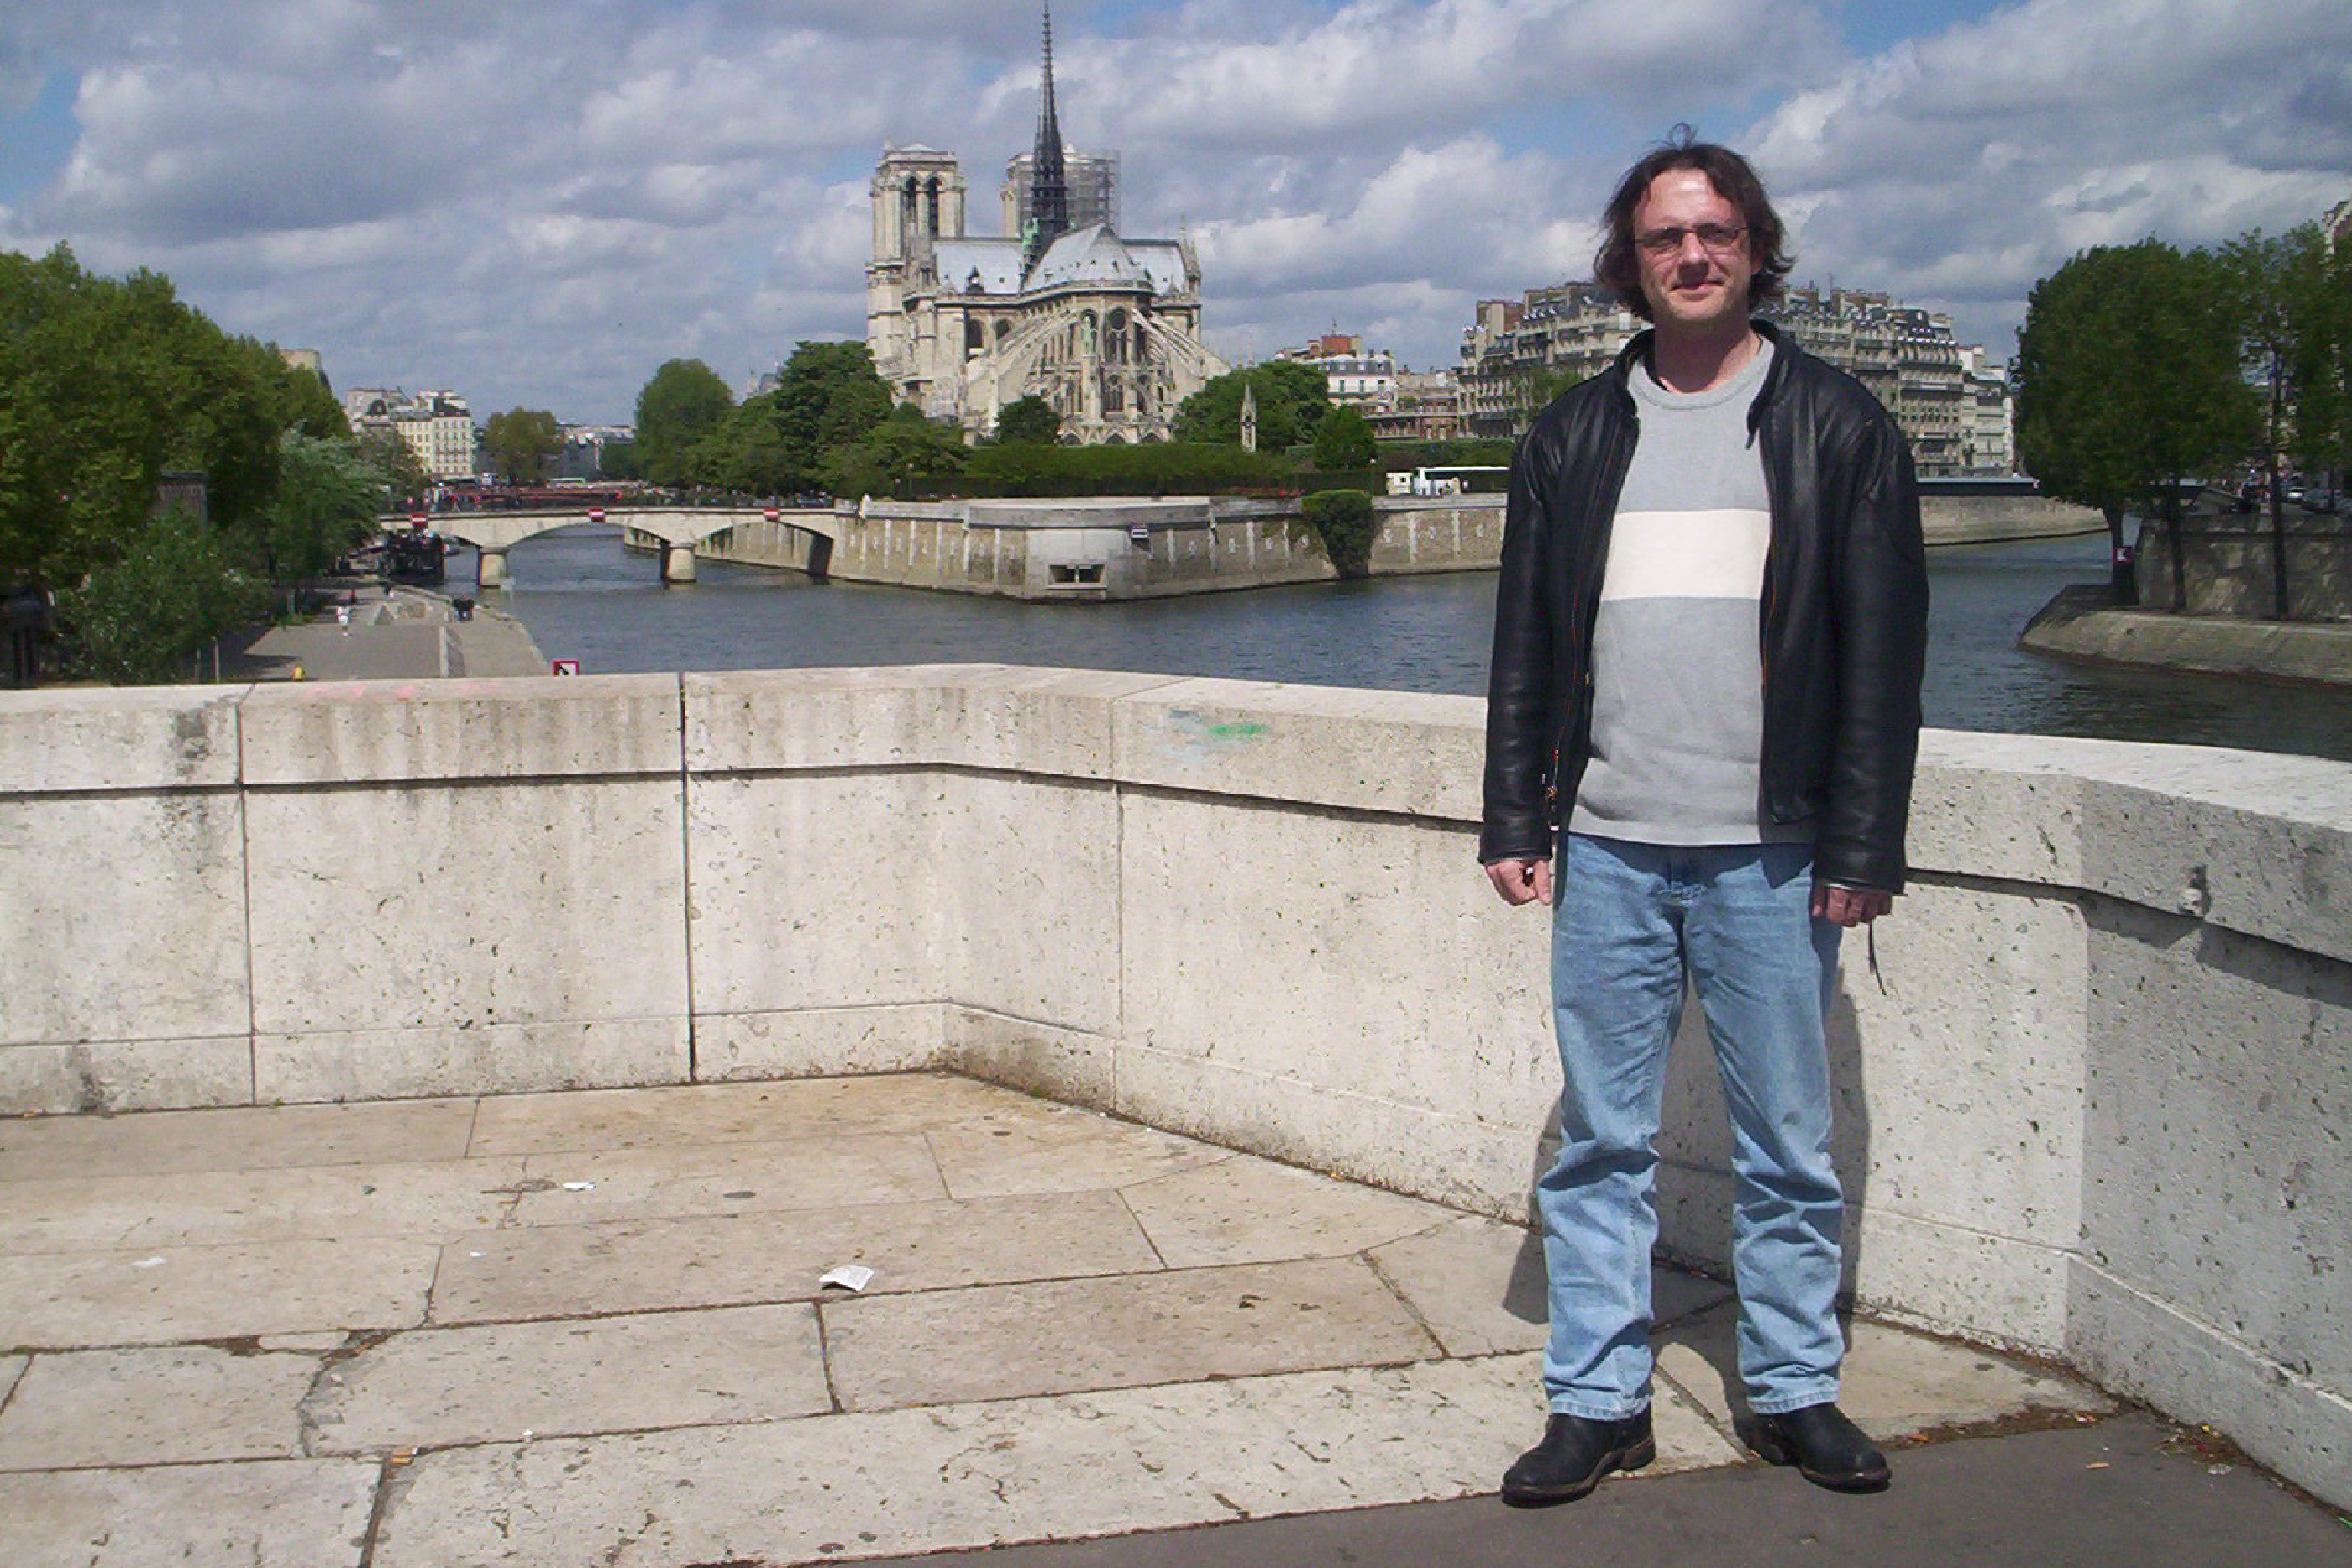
[(1049, 191)]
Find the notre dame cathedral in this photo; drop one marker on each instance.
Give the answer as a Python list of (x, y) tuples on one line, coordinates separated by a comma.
[(1105, 329)]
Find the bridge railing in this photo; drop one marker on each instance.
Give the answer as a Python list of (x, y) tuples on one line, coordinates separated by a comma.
[(2097, 1111)]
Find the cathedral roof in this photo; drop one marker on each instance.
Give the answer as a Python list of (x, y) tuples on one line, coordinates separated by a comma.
[(1096, 254), (1091, 254), (995, 263)]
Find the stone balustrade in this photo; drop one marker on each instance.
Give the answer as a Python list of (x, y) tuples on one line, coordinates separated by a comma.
[(2099, 1109)]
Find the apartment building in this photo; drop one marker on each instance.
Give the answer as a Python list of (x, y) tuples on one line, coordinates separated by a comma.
[(1951, 402)]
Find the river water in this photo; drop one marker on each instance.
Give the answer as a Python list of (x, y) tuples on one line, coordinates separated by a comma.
[(582, 596)]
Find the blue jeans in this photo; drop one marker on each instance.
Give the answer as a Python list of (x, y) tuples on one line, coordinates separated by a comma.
[(1626, 919)]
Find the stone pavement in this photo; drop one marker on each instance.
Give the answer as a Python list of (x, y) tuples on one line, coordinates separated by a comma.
[(590, 1328), (399, 634)]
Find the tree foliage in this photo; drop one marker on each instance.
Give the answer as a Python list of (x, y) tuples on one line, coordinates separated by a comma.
[(2128, 378), (1344, 440), (522, 443), (405, 480), (889, 457), (1347, 524), (826, 397), (173, 586), (1028, 421), (2293, 319), (682, 405), (1291, 406), (1179, 468), (329, 495), (107, 384)]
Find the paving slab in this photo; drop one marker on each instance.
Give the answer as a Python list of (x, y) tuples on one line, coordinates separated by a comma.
[(437, 1387), (997, 1154), (647, 1265), (1479, 1285), (280, 1514), (167, 1404), (835, 1487), (732, 1113), (2115, 1493), (242, 1138), (674, 1180), (1245, 1210), (82, 1214), (1057, 1336), (1894, 1384), (172, 1294)]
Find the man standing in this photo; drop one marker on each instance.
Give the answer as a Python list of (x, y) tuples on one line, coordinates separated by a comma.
[(1709, 630)]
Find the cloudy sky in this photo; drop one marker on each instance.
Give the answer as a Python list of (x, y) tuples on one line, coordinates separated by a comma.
[(536, 203)]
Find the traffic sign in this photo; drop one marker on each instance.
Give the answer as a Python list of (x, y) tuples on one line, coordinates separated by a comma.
[(563, 666)]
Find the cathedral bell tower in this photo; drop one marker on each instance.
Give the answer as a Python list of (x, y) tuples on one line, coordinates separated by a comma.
[(917, 196)]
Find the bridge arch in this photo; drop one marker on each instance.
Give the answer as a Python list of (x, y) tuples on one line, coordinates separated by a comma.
[(679, 528)]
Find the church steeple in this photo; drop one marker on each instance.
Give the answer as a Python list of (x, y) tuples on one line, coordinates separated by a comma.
[(1049, 191)]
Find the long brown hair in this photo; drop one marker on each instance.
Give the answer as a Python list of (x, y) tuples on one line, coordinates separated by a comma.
[(1620, 270)]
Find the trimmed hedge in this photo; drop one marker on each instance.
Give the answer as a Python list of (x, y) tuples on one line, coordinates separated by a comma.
[(1182, 468)]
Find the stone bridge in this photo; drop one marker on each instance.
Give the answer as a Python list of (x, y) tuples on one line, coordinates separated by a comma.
[(679, 529), (2093, 1110)]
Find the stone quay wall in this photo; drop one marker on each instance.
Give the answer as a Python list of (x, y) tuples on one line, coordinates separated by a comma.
[(1133, 549), (2099, 1110), (2227, 565)]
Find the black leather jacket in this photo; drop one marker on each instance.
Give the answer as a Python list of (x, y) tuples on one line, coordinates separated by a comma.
[(1845, 613)]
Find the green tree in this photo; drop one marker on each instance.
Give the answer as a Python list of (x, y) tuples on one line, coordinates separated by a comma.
[(828, 395), (902, 448), (330, 496), (1291, 405), (618, 460), (1344, 441), (521, 444), (104, 386), (396, 463), (1028, 421), (1346, 523), (2127, 381), (748, 452), (173, 586), (2289, 327), (298, 401), (683, 404)]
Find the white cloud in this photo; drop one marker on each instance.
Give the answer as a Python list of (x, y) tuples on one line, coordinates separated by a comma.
[(539, 203), (1958, 169)]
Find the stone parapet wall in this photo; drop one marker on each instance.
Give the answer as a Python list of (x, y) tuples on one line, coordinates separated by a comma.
[(2097, 1110), (1090, 549), (1093, 549), (2230, 565)]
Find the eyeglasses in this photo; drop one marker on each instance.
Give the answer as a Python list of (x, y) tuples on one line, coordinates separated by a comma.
[(1718, 239)]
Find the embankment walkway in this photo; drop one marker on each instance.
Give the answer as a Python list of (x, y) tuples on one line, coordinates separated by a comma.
[(2084, 625), (391, 634)]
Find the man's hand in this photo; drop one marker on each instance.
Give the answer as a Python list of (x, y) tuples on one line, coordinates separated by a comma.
[(1850, 906), (1522, 881)]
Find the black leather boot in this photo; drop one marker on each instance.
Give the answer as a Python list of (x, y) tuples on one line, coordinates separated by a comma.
[(1574, 1455), (1827, 1449)]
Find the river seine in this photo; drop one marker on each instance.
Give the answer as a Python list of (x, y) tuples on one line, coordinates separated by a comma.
[(583, 597)]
